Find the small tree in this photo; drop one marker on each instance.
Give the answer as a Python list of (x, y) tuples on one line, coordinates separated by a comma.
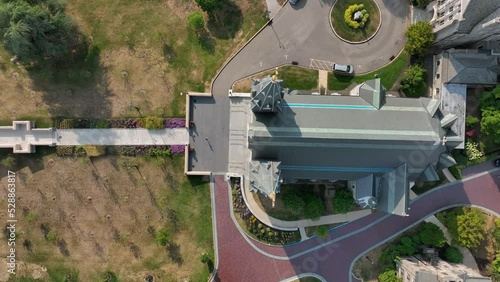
[(343, 202), (389, 276), (470, 228), (293, 202), (162, 237), (322, 231), (406, 247), (414, 82), (431, 235), (420, 37), (204, 258), (196, 21), (454, 255), (471, 121)]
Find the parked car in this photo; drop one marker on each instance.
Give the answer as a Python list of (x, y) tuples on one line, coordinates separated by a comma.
[(497, 162), (345, 69), (293, 2)]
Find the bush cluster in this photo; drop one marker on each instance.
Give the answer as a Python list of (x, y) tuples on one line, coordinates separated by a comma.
[(472, 151), (471, 121), (151, 123), (349, 16), (343, 202)]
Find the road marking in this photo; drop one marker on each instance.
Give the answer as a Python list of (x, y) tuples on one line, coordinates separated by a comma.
[(260, 64), (321, 64), (286, 57)]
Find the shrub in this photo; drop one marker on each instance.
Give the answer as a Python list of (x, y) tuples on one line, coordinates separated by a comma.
[(63, 151), (94, 150), (51, 236), (471, 121), (32, 216), (343, 202), (431, 235), (322, 231), (151, 123), (472, 152), (162, 237), (314, 208), (66, 123), (406, 247), (196, 20), (293, 202), (109, 276), (159, 153), (454, 255), (204, 258), (8, 161), (103, 123), (349, 16)]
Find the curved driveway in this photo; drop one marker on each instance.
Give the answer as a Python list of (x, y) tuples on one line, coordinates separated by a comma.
[(242, 259)]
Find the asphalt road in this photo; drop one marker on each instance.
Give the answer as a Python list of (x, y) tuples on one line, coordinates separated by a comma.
[(243, 259)]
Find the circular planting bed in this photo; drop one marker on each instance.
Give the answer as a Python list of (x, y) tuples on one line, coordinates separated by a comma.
[(355, 21)]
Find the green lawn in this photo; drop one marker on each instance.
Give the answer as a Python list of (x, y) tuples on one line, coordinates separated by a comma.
[(299, 78), (388, 75), (349, 33)]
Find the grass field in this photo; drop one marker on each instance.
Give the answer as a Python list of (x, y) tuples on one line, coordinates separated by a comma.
[(293, 78), (388, 75), (348, 33), (103, 214)]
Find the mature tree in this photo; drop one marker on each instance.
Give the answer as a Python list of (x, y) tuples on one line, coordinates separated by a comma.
[(449, 219), (36, 32), (454, 255), (293, 202), (420, 38), (343, 202), (431, 235), (196, 20), (496, 264), (406, 247), (209, 5), (414, 80), (470, 227), (389, 276), (490, 109), (314, 208)]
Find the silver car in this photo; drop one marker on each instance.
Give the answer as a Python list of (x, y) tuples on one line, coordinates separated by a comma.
[(345, 69)]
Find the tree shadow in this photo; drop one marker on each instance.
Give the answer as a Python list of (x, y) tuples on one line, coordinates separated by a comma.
[(168, 52), (225, 22), (174, 253), (76, 86), (206, 41)]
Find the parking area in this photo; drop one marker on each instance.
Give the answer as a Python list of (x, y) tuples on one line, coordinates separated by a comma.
[(321, 65)]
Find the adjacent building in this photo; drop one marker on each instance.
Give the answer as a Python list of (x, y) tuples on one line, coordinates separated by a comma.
[(416, 269), (380, 144), (464, 22)]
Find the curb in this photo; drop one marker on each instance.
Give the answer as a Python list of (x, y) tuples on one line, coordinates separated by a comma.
[(356, 42)]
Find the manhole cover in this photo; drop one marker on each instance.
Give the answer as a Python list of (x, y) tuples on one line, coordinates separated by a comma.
[(124, 74)]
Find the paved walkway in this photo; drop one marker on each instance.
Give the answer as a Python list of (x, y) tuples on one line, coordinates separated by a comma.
[(240, 258), (119, 136), (323, 81), (272, 7)]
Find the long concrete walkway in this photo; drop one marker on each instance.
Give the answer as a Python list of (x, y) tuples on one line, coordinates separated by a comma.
[(122, 136)]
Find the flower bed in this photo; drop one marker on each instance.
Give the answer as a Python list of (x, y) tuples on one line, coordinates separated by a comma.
[(259, 230), (175, 123)]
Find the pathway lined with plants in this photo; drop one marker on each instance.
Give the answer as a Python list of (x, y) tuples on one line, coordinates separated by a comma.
[(122, 136)]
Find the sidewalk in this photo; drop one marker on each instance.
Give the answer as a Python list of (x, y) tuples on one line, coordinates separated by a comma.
[(122, 136), (272, 7)]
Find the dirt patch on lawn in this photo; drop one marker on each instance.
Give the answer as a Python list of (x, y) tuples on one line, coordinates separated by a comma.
[(103, 214)]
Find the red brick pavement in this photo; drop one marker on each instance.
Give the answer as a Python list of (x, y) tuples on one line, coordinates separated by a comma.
[(238, 261)]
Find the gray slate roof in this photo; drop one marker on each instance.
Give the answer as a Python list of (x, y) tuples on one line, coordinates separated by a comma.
[(373, 92), (265, 177), (266, 94), (469, 68)]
